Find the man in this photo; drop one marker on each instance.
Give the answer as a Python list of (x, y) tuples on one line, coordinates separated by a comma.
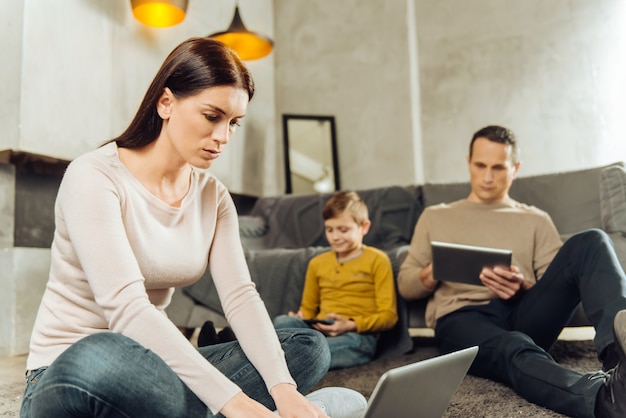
[(518, 313)]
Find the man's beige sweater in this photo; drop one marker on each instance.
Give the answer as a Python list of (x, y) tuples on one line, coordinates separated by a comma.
[(526, 230)]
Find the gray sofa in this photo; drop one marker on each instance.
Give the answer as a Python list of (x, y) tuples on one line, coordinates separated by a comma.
[(281, 234)]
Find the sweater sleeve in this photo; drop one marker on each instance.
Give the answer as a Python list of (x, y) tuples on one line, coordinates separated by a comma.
[(243, 307), (418, 256)]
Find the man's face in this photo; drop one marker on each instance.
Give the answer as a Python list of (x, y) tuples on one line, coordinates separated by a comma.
[(492, 171)]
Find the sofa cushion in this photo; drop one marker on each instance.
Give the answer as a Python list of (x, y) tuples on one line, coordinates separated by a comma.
[(252, 230), (613, 199), (393, 212), (294, 221), (435, 193), (572, 198), (278, 274), (252, 226)]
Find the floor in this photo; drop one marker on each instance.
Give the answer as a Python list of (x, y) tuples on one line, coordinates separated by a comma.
[(12, 381), (12, 369), (11, 384)]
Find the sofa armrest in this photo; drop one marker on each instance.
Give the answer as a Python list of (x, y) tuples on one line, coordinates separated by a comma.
[(252, 230), (613, 199)]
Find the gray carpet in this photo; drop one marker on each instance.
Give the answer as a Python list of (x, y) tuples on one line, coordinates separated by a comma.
[(476, 397)]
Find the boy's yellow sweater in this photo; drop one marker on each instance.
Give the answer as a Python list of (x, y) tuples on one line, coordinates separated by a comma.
[(361, 289)]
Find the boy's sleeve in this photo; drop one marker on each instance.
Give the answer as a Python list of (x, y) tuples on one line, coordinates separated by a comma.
[(386, 314)]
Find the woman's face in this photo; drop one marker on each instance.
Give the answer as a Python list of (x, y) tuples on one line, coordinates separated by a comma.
[(198, 127)]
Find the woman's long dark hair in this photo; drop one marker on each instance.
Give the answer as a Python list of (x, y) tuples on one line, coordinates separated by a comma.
[(194, 65)]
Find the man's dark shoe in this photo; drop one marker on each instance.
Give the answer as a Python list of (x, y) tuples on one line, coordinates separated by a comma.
[(611, 399), (610, 357), (207, 335)]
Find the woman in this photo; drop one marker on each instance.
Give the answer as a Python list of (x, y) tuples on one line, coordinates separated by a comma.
[(135, 218)]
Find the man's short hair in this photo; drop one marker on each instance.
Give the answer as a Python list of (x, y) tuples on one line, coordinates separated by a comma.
[(500, 134), (346, 201)]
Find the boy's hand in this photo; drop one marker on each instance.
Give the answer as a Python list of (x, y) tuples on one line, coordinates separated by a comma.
[(340, 326), (298, 314)]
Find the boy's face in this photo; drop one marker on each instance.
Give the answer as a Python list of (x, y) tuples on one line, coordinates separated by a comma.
[(345, 235)]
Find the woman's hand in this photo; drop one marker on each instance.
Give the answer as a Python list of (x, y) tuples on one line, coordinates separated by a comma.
[(292, 404), (242, 406)]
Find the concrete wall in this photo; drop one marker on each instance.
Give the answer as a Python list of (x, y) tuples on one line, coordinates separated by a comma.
[(23, 273), (24, 276), (550, 70), (77, 70), (553, 71), (11, 33), (352, 59), (407, 80)]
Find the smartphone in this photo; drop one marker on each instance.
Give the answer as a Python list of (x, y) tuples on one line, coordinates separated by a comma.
[(327, 321)]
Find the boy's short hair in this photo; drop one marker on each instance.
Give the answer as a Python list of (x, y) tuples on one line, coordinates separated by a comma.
[(346, 201)]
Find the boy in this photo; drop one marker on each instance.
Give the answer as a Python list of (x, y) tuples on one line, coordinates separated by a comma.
[(349, 292)]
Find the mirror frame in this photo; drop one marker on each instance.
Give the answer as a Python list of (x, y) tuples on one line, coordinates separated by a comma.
[(333, 145)]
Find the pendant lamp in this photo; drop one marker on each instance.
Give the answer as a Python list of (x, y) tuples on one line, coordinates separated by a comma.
[(248, 45), (159, 13)]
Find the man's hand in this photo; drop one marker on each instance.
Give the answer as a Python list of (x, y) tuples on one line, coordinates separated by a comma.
[(426, 277), (340, 326), (292, 404), (505, 283)]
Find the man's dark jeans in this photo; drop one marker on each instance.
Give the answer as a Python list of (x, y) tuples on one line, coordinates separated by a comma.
[(514, 335)]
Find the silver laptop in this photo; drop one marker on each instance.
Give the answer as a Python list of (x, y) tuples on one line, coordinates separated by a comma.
[(422, 389)]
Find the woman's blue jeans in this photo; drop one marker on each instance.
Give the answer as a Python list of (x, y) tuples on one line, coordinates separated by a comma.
[(109, 375), (346, 350), (514, 336)]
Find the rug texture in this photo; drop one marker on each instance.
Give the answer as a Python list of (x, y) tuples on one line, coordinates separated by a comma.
[(475, 398)]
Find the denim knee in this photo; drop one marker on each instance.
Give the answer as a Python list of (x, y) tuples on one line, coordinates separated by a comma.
[(307, 354), (91, 357), (288, 321)]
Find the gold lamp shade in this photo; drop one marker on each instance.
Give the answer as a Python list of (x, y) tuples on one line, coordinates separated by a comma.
[(248, 45), (159, 13)]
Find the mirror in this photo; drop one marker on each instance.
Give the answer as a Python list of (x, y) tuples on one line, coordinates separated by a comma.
[(310, 154)]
